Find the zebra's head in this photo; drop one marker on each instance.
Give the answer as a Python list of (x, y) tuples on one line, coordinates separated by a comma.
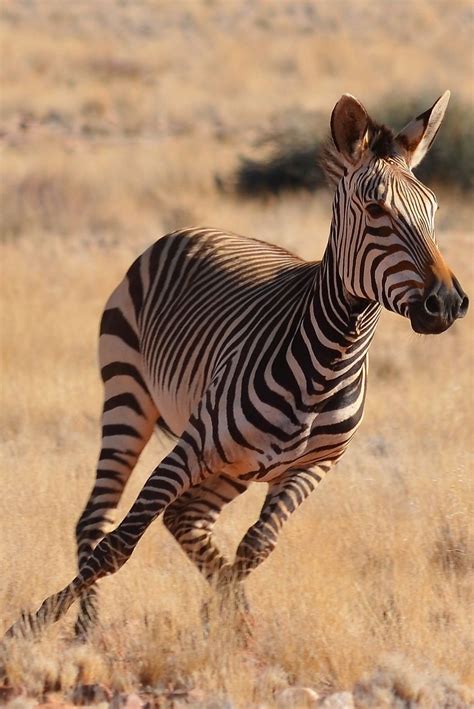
[(383, 217)]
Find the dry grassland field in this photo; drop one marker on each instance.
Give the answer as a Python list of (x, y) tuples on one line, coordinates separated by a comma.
[(116, 118)]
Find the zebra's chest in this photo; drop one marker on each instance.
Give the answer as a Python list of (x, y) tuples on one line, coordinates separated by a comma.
[(262, 443)]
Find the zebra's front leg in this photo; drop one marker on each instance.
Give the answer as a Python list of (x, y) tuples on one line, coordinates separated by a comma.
[(191, 519), (177, 472), (282, 499)]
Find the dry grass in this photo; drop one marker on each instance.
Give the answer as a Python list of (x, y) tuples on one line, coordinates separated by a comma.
[(115, 118)]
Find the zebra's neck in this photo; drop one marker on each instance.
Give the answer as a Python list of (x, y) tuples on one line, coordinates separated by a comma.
[(335, 332)]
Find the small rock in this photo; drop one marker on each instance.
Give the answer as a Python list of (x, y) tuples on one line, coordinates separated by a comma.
[(339, 700), (127, 701), (134, 702), (296, 697), (84, 694), (6, 694), (219, 703), (214, 703), (22, 703), (56, 699)]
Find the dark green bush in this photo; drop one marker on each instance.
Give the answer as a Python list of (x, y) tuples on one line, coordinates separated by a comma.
[(291, 159), (292, 168)]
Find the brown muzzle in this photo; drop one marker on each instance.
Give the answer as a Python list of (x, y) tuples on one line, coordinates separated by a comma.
[(440, 305)]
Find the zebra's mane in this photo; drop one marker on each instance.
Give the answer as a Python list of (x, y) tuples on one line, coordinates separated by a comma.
[(381, 143)]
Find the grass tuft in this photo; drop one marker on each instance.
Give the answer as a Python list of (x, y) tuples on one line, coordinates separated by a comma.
[(396, 682), (114, 119)]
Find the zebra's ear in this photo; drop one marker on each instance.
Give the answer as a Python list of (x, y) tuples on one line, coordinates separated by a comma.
[(350, 128), (416, 138)]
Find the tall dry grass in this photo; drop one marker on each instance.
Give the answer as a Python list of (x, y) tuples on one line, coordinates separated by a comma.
[(115, 119), (379, 560)]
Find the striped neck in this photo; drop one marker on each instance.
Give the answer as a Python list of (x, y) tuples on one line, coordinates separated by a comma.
[(335, 332)]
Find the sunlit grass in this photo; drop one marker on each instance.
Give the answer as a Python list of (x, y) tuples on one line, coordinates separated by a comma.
[(378, 560), (106, 146)]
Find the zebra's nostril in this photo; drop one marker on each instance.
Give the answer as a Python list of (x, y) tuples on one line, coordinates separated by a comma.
[(463, 307), (433, 305)]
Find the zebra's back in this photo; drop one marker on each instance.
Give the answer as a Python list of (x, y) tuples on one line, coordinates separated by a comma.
[(198, 299)]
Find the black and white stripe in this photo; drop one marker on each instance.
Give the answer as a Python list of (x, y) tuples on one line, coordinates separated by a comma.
[(253, 359)]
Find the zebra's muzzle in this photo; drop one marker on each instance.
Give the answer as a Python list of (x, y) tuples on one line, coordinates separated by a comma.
[(438, 308)]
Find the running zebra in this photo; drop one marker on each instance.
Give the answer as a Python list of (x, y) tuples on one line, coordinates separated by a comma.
[(255, 360)]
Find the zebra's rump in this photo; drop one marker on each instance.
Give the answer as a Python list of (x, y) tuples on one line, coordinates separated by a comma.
[(203, 298)]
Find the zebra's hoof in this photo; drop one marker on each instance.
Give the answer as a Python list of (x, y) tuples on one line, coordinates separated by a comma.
[(239, 620)]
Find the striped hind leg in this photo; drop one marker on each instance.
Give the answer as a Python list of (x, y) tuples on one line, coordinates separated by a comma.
[(174, 476), (128, 419)]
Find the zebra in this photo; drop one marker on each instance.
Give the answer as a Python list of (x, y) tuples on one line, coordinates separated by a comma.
[(255, 361)]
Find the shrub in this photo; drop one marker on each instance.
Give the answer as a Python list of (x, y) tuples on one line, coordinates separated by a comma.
[(291, 159)]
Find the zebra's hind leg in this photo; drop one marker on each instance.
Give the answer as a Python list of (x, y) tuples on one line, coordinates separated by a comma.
[(191, 519), (122, 444), (128, 418), (173, 476)]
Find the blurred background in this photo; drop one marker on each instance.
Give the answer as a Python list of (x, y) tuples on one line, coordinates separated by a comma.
[(127, 119), (121, 121)]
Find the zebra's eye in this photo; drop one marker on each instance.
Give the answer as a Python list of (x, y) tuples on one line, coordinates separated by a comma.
[(375, 210)]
